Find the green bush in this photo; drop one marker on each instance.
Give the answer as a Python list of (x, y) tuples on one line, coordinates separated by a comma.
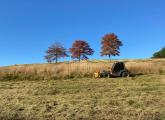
[(159, 54)]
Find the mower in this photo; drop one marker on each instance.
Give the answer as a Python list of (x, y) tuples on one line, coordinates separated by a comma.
[(118, 70)]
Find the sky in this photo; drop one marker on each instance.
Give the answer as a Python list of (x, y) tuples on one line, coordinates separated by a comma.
[(29, 27)]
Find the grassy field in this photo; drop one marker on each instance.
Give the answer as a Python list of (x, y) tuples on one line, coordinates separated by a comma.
[(68, 92), (134, 98), (66, 70)]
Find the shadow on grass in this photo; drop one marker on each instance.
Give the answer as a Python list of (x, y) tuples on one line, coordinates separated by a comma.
[(136, 74), (34, 77)]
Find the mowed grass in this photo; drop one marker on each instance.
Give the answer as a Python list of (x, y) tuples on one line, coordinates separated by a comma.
[(134, 98)]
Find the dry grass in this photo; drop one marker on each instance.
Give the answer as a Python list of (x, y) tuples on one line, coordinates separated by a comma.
[(144, 67), (134, 98), (76, 69)]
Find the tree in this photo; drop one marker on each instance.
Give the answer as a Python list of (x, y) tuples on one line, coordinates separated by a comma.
[(80, 49), (159, 54), (110, 45), (54, 52)]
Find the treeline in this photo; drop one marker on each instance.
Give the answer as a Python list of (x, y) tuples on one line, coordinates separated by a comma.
[(110, 46), (80, 49)]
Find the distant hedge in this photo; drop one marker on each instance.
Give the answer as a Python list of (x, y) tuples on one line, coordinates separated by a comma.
[(159, 54)]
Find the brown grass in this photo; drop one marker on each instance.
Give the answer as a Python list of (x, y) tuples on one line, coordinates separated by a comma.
[(133, 98), (82, 69)]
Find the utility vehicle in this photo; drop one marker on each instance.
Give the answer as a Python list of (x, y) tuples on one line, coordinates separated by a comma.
[(118, 70)]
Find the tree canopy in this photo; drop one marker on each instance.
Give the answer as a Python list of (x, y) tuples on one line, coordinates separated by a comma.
[(110, 45), (80, 50), (54, 52), (159, 54)]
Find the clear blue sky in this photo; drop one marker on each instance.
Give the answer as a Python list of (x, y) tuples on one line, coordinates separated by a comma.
[(28, 27)]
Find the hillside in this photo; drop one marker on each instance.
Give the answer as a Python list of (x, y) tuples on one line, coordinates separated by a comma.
[(67, 70), (67, 91)]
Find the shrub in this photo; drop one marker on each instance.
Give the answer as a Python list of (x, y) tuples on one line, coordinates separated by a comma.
[(159, 54)]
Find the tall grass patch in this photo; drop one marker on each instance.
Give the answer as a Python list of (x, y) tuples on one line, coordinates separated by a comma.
[(68, 70)]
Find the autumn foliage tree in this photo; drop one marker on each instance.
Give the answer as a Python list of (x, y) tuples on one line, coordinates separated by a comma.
[(55, 52), (80, 50), (110, 45)]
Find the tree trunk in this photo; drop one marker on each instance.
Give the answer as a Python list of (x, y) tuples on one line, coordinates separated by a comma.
[(79, 59), (109, 57), (56, 59)]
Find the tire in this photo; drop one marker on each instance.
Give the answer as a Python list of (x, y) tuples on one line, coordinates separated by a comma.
[(109, 75), (101, 75), (125, 74)]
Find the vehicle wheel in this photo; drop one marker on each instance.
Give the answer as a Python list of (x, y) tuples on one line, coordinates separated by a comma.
[(125, 74), (101, 75), (109, 75)]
